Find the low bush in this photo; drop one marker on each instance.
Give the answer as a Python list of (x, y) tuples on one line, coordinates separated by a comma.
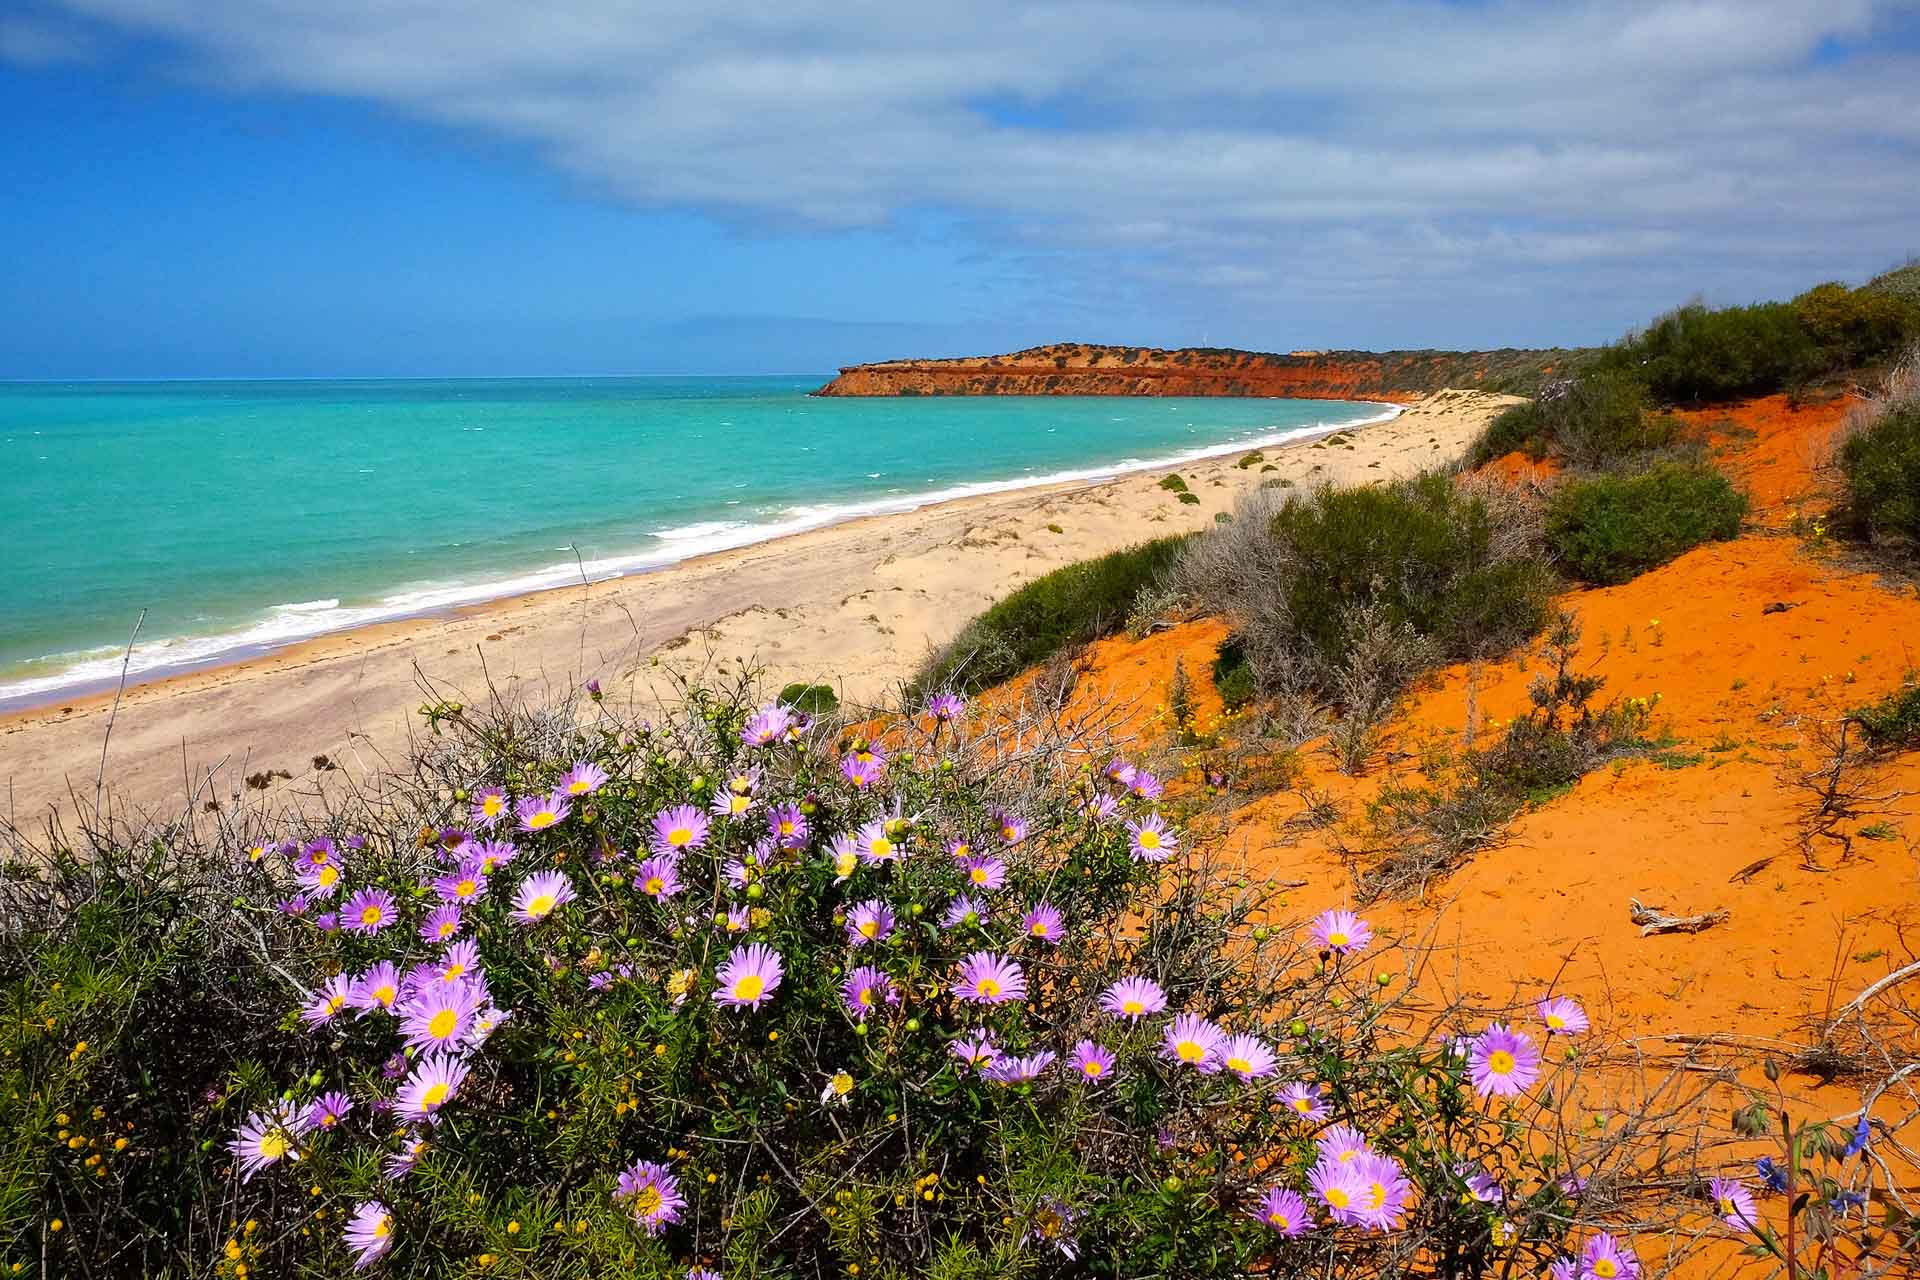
[(735, 990), (1611, 528), (1072, 605), (1880, 464), (1589, 420), (1696, 353), (1855, 327), (1233, 675), (1893, 723)]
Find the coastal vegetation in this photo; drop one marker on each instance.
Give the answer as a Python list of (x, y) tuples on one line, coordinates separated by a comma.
[(1611, 528)]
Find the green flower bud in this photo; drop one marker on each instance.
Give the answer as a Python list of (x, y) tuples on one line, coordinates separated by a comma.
[(913, 1024), (755, 892), (1297, 1028), (860, 1029)]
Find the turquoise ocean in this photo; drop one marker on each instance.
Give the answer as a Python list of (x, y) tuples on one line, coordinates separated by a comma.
[(245, 515)]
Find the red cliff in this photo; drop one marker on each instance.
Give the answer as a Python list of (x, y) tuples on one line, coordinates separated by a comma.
[(1081, 369)]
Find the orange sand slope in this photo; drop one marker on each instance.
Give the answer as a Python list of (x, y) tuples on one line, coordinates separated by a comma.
[(1739, 690)]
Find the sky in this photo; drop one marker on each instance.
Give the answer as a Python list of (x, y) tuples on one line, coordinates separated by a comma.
[(451, 188)]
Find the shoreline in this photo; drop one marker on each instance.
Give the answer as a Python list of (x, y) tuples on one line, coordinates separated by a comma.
[(33, 692), (856, 603)]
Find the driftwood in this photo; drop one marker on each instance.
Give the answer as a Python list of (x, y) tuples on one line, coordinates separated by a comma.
[(1659, 920)]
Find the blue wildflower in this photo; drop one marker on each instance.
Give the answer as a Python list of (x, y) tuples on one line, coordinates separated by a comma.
[(1772, 1176), (1846, 1200), (1858, 1142)]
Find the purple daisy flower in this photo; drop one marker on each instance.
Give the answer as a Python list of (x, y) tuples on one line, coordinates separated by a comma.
[(1563, 1017), (730, 803), (1341, 932), (737, 919), (490, 855), (869, 921), (767, 726), (861, 773), (369, 1234), (1133, 998), (1342, 1144), (986, 978), (436, 1078), (442, 924), (1010, 827), (413, 1148), (460, 963), (266, 1138), (1153, 840), (1283, 1210), (1193, 1040), (1563, 1269), (1605, 1258), (1304, 1101), (875, 842), (1733, 1204), (326, 1112), (318, 853), (1482, 1186), (489, 806), (1121, 772), (965, 909), (1022, 1070), (583, 779), (377, 988), (979, 1051), (678, 829), (1503, 1062), (984, 872), (1247, 1057), (440, 1016), (1053, 1224), (865, 990), (327, 921), (322, 881), (651, 1194), (1102, 807), (749, 977), (466, 885), (540, 895), (1145, 786), (788, 826), (1340, 1188), (1092, 1062), (1387, 1189), (845, 854), (326, 1003), (1043, 921), (658, 876), (946, 707), (537, 813)]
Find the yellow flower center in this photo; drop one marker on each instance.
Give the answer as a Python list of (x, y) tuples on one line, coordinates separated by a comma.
[(1279, 1219), (1039, 928), (786, 828), (1337, 937), (328, 875), (1190, 1050), (385, 994), (865, 997), (1149, 839), (1093, 1067), (466, 889), (491, 806), (1239, 1064), (448, 928), (1605, 1268), (435, 1095), (749, 987), (1726, 1205), (1009, 831), (1302, 1105), (646, 1202), (1132, 1008), (453, 972), (881, 847), (679, 836), (383, 1228), (540, 905), (544, 818), (370, 915), (318, 857), (1555, 1021), (963, 850), (988, 987), (738, 804), (843, 865), (578, 787), (335, 1003), (328, 1120), (655, 884), (1376, 1195), (1337, 1197), (273, 1145), (442, 1024), (979, 875), (870, 928), (843, 1084), (1500, 1062)]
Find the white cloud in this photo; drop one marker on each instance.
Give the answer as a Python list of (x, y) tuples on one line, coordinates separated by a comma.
[(1195, 143)]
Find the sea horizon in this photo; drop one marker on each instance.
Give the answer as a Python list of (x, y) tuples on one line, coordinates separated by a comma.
[(395, 498)]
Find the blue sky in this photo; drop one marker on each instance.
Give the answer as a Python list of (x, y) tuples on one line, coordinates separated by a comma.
[(469, 187)]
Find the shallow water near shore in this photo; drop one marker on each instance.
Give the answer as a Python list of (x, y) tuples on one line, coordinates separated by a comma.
[(245, 515)]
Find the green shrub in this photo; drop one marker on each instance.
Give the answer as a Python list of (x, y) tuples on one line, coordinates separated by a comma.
[(188, 1006), (1854, 327), (1174, 484), (1880, 466), (1422, 552), (1590, 420), (810, 699), (1071, 605), (1612, 528), (1893, 723), (1232, 675), (1902, 283), (1696, 353)]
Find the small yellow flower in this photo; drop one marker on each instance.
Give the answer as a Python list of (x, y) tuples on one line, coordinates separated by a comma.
[(56, 1225), (513, 1228)]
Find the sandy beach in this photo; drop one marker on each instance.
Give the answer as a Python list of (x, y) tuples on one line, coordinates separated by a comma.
[(857, 605)]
